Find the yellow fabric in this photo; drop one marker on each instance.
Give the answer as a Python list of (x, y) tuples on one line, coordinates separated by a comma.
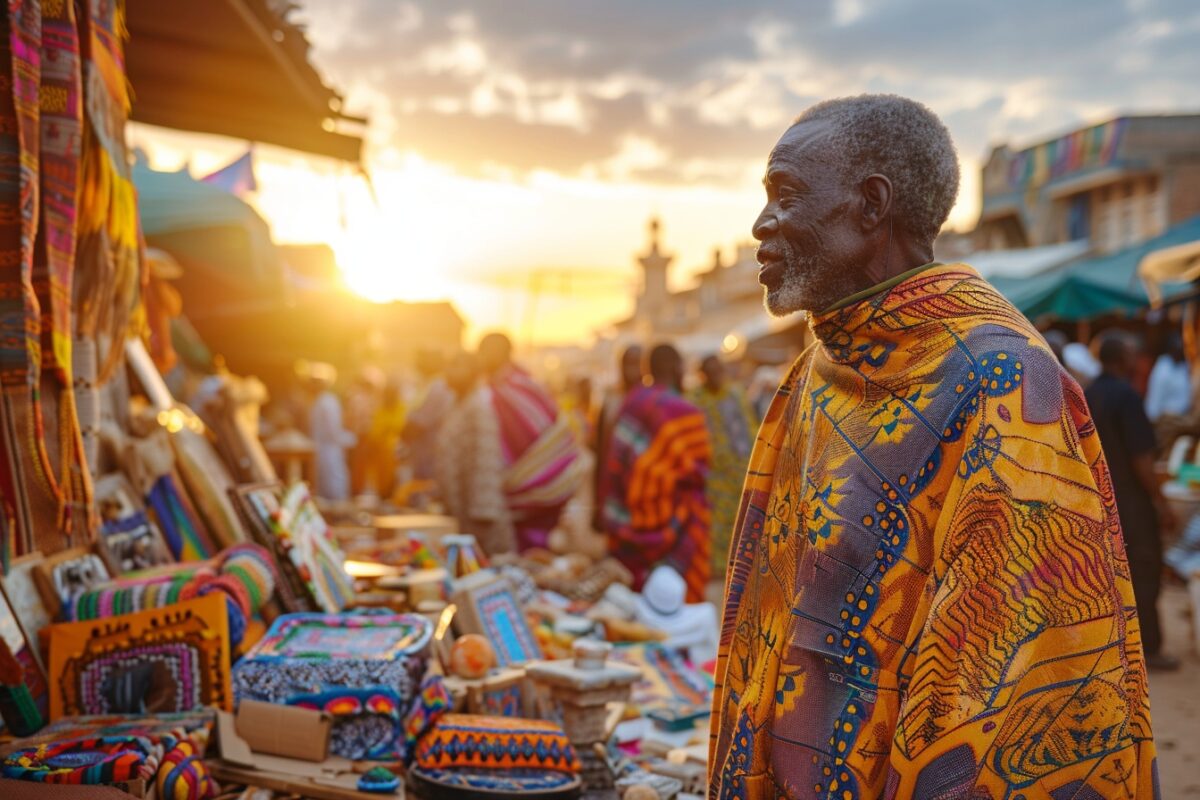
[(928, 595)]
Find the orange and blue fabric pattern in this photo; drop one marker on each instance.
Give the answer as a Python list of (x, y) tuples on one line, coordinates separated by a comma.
[(928, 593)]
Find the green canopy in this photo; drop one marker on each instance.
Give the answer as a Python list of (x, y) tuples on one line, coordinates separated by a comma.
[(1093, 287), (230, 265)]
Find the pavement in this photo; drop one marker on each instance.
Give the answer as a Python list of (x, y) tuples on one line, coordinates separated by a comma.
[(1175, 701)]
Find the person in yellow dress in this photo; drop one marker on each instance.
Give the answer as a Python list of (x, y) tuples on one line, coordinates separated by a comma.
[(928, 595), (731, 428)]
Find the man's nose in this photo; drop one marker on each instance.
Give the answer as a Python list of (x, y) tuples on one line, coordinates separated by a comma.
[(766, 225)]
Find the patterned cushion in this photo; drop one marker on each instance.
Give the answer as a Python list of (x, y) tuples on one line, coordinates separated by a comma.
[(467, 740)]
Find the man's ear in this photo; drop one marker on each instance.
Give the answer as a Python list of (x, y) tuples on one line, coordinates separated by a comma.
[(876, 201)]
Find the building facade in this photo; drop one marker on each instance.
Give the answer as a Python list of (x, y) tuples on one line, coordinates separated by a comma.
[(1114, 185), (721, 312)]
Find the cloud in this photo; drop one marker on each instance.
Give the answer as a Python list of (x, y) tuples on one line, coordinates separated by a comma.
[(697, 90)]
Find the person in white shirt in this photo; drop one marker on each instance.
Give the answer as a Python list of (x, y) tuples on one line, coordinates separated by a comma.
[(1170, 389)]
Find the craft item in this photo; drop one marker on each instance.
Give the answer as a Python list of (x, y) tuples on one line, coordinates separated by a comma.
[(671, 692), (169, 659), (105, 759), (312, 653), (313, 550), (443, 638), (195, 726), (287, 731), (467, 740), (25, 600), (630, 775), (186, 538), (258, 505), (492, 784), (422, 585), (692, 627), (128, 540), (524, 588), (18, 707), (431, 704), (62, 577), (498, 695), (302, 543), (379, 780), (583, 688), (463, 557), (173, 763), (472, 656), (24, 700), (367, 722), (243, 574), (640, 791), (486, 605)]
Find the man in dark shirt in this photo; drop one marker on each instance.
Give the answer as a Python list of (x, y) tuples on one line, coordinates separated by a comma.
[(1128, 441)]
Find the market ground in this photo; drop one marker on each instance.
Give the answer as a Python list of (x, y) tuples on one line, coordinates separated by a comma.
[(1174, 698), (1175, 701)]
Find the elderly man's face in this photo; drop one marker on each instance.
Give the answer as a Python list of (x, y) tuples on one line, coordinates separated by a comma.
[(811, 241)]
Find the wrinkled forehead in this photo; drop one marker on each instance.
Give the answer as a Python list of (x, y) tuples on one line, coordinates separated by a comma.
[(803, 148)]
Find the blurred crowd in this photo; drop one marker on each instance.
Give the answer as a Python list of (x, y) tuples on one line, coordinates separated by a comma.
[(1144, 405), (647, 467)]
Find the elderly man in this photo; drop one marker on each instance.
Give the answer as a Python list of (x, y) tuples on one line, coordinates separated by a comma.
[(927, 594)]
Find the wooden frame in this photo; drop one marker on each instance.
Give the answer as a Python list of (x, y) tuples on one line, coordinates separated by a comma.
[(129, 540), (256, 503), (486, 605), (25, 600), (63, 576), (23, 644)]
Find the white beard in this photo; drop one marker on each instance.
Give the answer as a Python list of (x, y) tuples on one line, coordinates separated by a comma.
[(795, 292)]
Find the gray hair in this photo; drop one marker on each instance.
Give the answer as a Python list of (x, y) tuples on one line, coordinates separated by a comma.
[(903, 140)]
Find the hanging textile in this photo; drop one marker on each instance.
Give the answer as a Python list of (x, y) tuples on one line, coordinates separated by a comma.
[(20, 323), (61, 107), (110, 264)]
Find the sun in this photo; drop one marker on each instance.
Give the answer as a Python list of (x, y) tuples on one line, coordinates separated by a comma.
[(382, 267)]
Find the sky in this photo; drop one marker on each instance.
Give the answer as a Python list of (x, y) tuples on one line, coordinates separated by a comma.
[(519, 143)]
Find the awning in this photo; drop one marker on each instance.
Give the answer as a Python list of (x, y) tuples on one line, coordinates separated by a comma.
[(1025, 262), (1093, 287), (1179, 264), (229, 261), (235, 68)]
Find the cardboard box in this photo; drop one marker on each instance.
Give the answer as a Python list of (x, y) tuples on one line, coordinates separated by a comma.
[(288, 731), (332, 779)]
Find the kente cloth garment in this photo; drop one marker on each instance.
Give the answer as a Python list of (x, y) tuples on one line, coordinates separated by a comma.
[(929, 596), (731, 427), (654, 508), (543, 468), (470, 472)]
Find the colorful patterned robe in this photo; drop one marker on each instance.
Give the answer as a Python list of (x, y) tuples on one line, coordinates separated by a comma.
[(543, 467), (929, 595), (653, 505), (731, 428)]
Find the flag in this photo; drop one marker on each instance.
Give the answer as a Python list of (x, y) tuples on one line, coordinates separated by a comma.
[(237, 177)]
